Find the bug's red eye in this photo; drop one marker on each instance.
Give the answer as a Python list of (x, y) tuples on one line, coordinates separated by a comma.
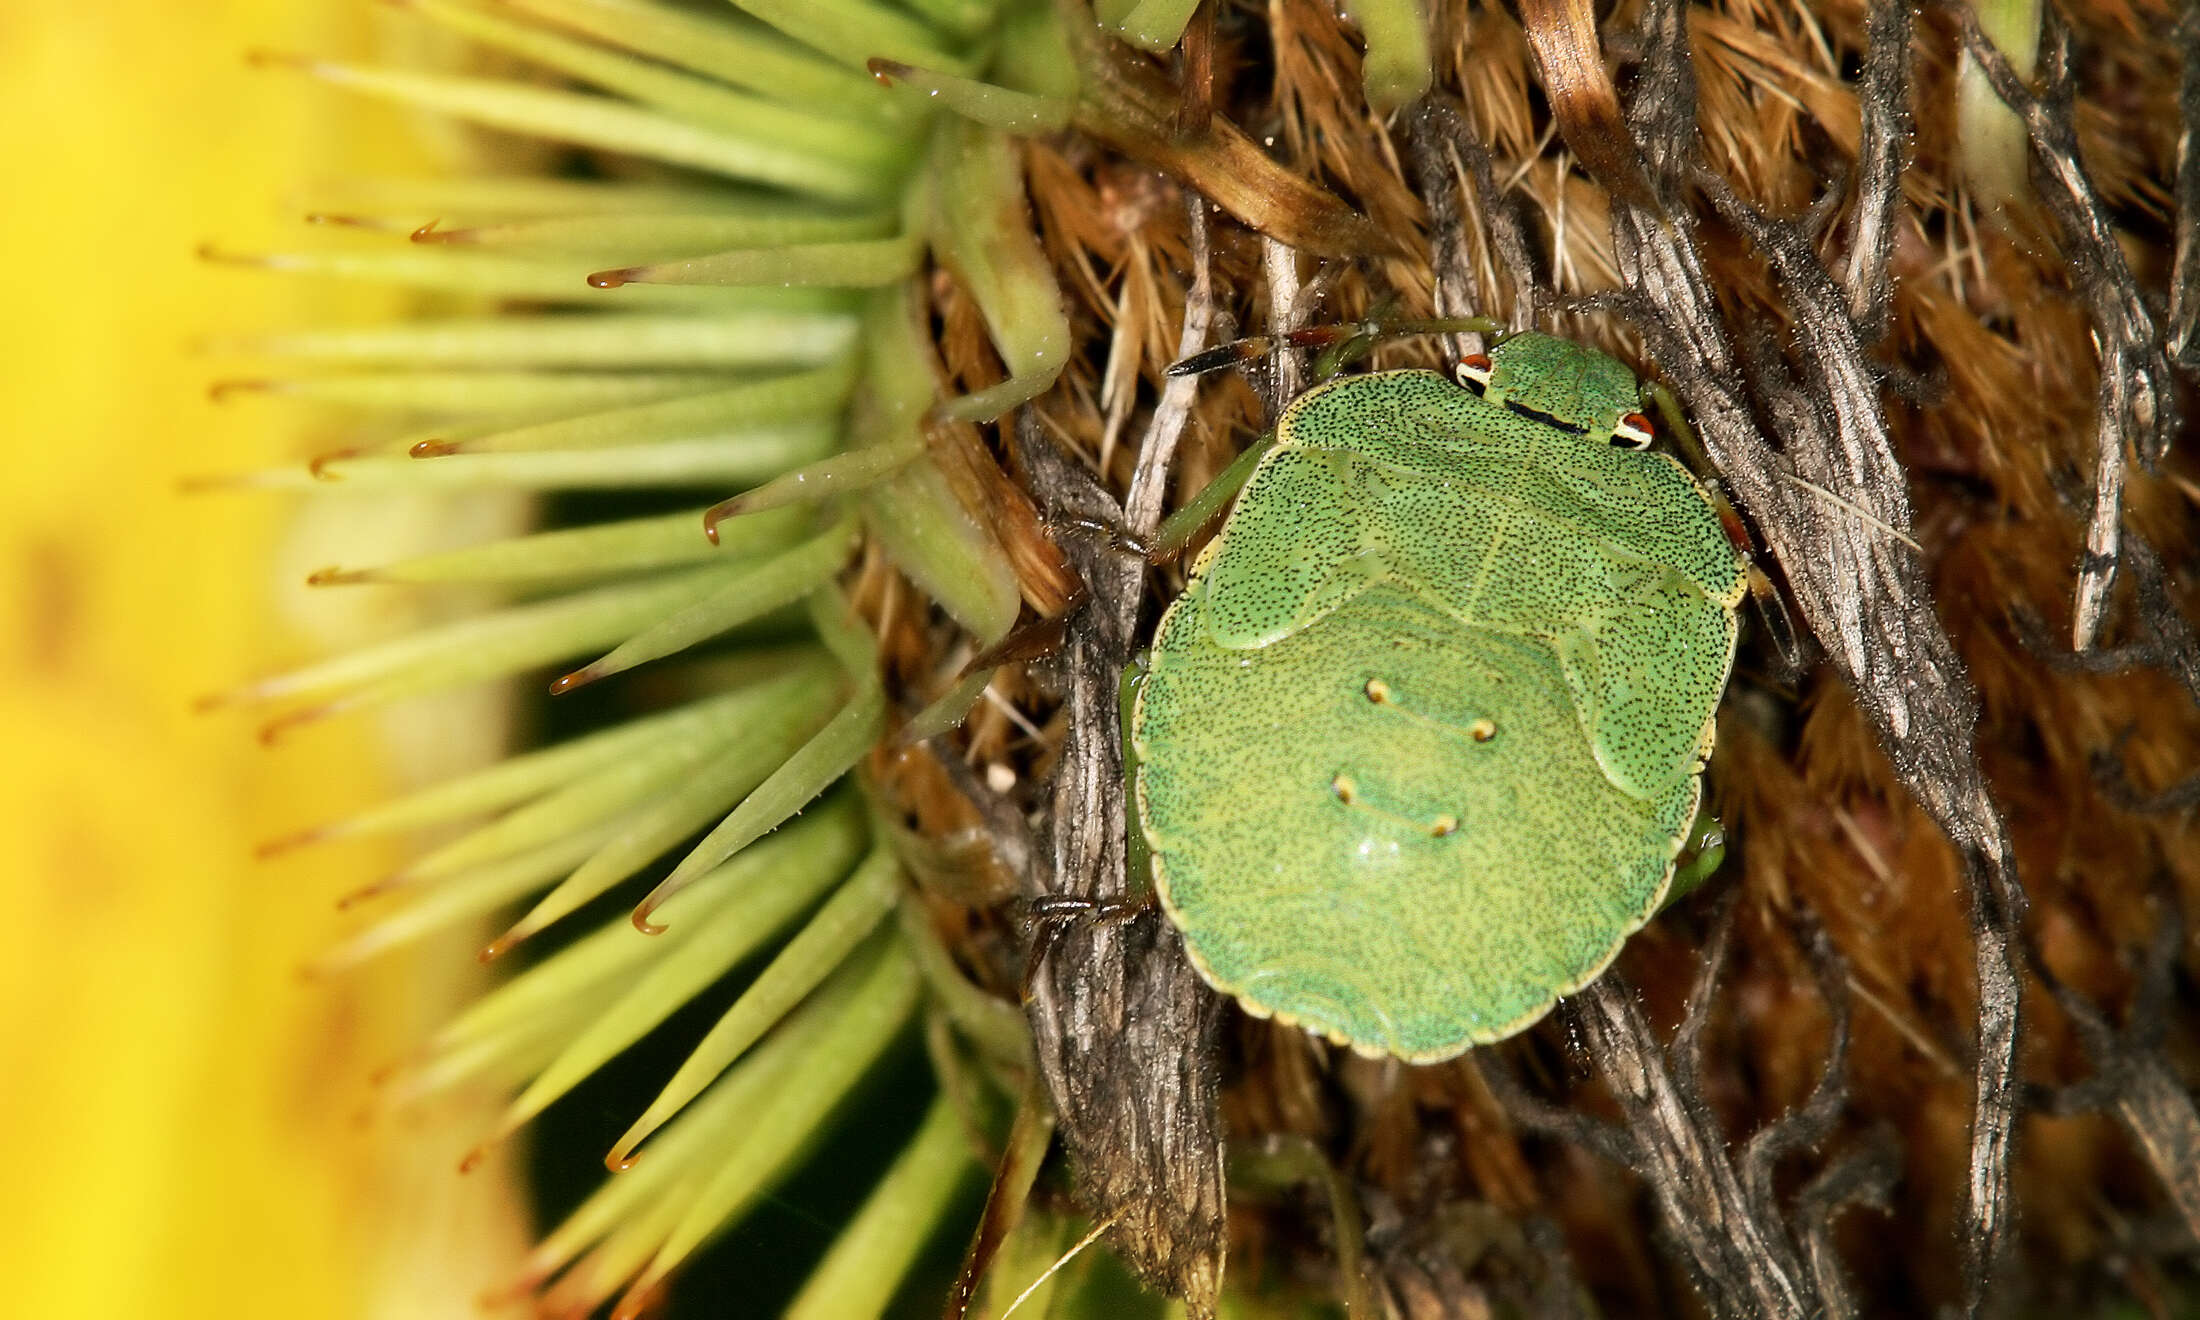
[(1473, 372)]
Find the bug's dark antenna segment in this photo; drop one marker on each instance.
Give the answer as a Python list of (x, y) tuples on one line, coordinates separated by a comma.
[(1347, 339)]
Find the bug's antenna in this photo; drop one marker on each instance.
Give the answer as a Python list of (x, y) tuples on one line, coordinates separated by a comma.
[(1343, 339)]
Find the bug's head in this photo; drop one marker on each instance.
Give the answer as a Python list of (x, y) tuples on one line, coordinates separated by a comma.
[(1575, 388)]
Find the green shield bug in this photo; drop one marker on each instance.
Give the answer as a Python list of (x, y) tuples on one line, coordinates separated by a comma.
[(1422, 739)]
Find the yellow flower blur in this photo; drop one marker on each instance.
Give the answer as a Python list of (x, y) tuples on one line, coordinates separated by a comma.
[(183, 1124)]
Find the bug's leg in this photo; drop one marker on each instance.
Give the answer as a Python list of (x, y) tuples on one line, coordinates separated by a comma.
[(1137, 853), (1779, 625), (1053, 916), (1118, 537), (1700, 856), (1772, 610), (1684, 437), (1343, 345), (1169, 539)]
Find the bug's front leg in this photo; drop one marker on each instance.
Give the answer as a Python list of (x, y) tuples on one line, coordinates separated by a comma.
[(1169, 539), (1118, 537), (1177, 531), (1779, 626)]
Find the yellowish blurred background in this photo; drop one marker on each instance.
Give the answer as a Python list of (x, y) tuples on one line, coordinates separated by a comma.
[(186, 1127)]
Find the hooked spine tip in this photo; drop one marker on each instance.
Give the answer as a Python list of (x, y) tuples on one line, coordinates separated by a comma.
[(581, 677)]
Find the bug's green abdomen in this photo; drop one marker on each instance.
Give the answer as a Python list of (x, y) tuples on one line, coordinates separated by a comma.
[(1422, 738), (1414, 871)]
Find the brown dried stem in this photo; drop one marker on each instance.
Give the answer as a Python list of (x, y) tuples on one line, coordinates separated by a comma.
[(1810, 1125), (1437, 147), (1124, 1031), (1722, 1218), (1884, 100), (2137, 402), (1860, 585), (1739, 1253), (2161, 622), (2166, 641), (1287, 311), (1862, 1176), (2132, 1077), (1448, 157), (2184, 283)]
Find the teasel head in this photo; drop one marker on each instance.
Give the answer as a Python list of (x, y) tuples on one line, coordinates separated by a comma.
[(731, 301), (811, 333)]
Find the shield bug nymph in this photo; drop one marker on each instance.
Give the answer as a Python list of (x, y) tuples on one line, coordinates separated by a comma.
[(1423, 738)]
